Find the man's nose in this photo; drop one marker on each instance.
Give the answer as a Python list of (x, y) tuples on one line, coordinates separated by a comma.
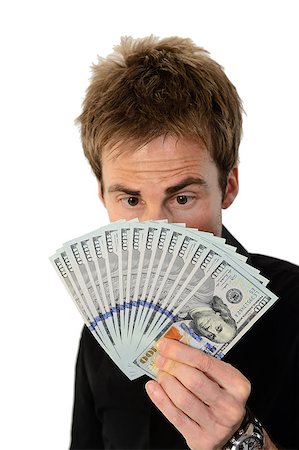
[(154, 213)]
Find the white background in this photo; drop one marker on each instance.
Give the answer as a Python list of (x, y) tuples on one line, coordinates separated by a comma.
[(48, 194)]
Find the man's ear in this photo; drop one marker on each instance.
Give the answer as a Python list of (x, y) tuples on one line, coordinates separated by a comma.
[(101, 192), (232, 188)]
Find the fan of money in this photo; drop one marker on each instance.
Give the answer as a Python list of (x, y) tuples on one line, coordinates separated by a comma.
[(134, 282)]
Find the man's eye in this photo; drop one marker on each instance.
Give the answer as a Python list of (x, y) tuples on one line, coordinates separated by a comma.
[(182, 199), (132, 201)]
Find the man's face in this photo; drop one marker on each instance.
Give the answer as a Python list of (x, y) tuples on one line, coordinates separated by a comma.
[(168, 178), (211, 325)]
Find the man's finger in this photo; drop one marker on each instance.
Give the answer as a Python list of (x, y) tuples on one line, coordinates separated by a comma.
[(193, 379), (220, 372), (184, 424)]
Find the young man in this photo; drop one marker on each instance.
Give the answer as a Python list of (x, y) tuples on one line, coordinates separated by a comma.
[(161, 126)]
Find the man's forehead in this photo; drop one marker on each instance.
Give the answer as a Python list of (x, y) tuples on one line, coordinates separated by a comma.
[(119, 148)]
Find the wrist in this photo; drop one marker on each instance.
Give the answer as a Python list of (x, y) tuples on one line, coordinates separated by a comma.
[(250, 435)]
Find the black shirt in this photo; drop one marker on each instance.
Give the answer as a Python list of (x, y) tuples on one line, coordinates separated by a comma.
[(112, 412)]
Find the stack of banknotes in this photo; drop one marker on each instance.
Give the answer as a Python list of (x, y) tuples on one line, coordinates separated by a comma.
[(134, 282)]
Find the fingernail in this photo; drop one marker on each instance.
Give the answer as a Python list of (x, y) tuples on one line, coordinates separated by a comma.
[(150, 388)]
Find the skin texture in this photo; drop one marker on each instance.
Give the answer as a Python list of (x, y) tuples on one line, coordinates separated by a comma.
[(203, 397)]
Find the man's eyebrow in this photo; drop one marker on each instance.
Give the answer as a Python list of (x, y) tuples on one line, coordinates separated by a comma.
[(122, 188), (184, 183), (169, 191)]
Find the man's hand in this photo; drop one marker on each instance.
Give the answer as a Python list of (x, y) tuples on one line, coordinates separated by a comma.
[(204, 398)]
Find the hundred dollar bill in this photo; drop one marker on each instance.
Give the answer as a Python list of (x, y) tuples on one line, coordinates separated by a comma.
[(66, 274), (110, 250), (62, 271), (231, 251), (136, 257), (130, 274), (165, 264), (124, 233), (78, 282), (214, 326)]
